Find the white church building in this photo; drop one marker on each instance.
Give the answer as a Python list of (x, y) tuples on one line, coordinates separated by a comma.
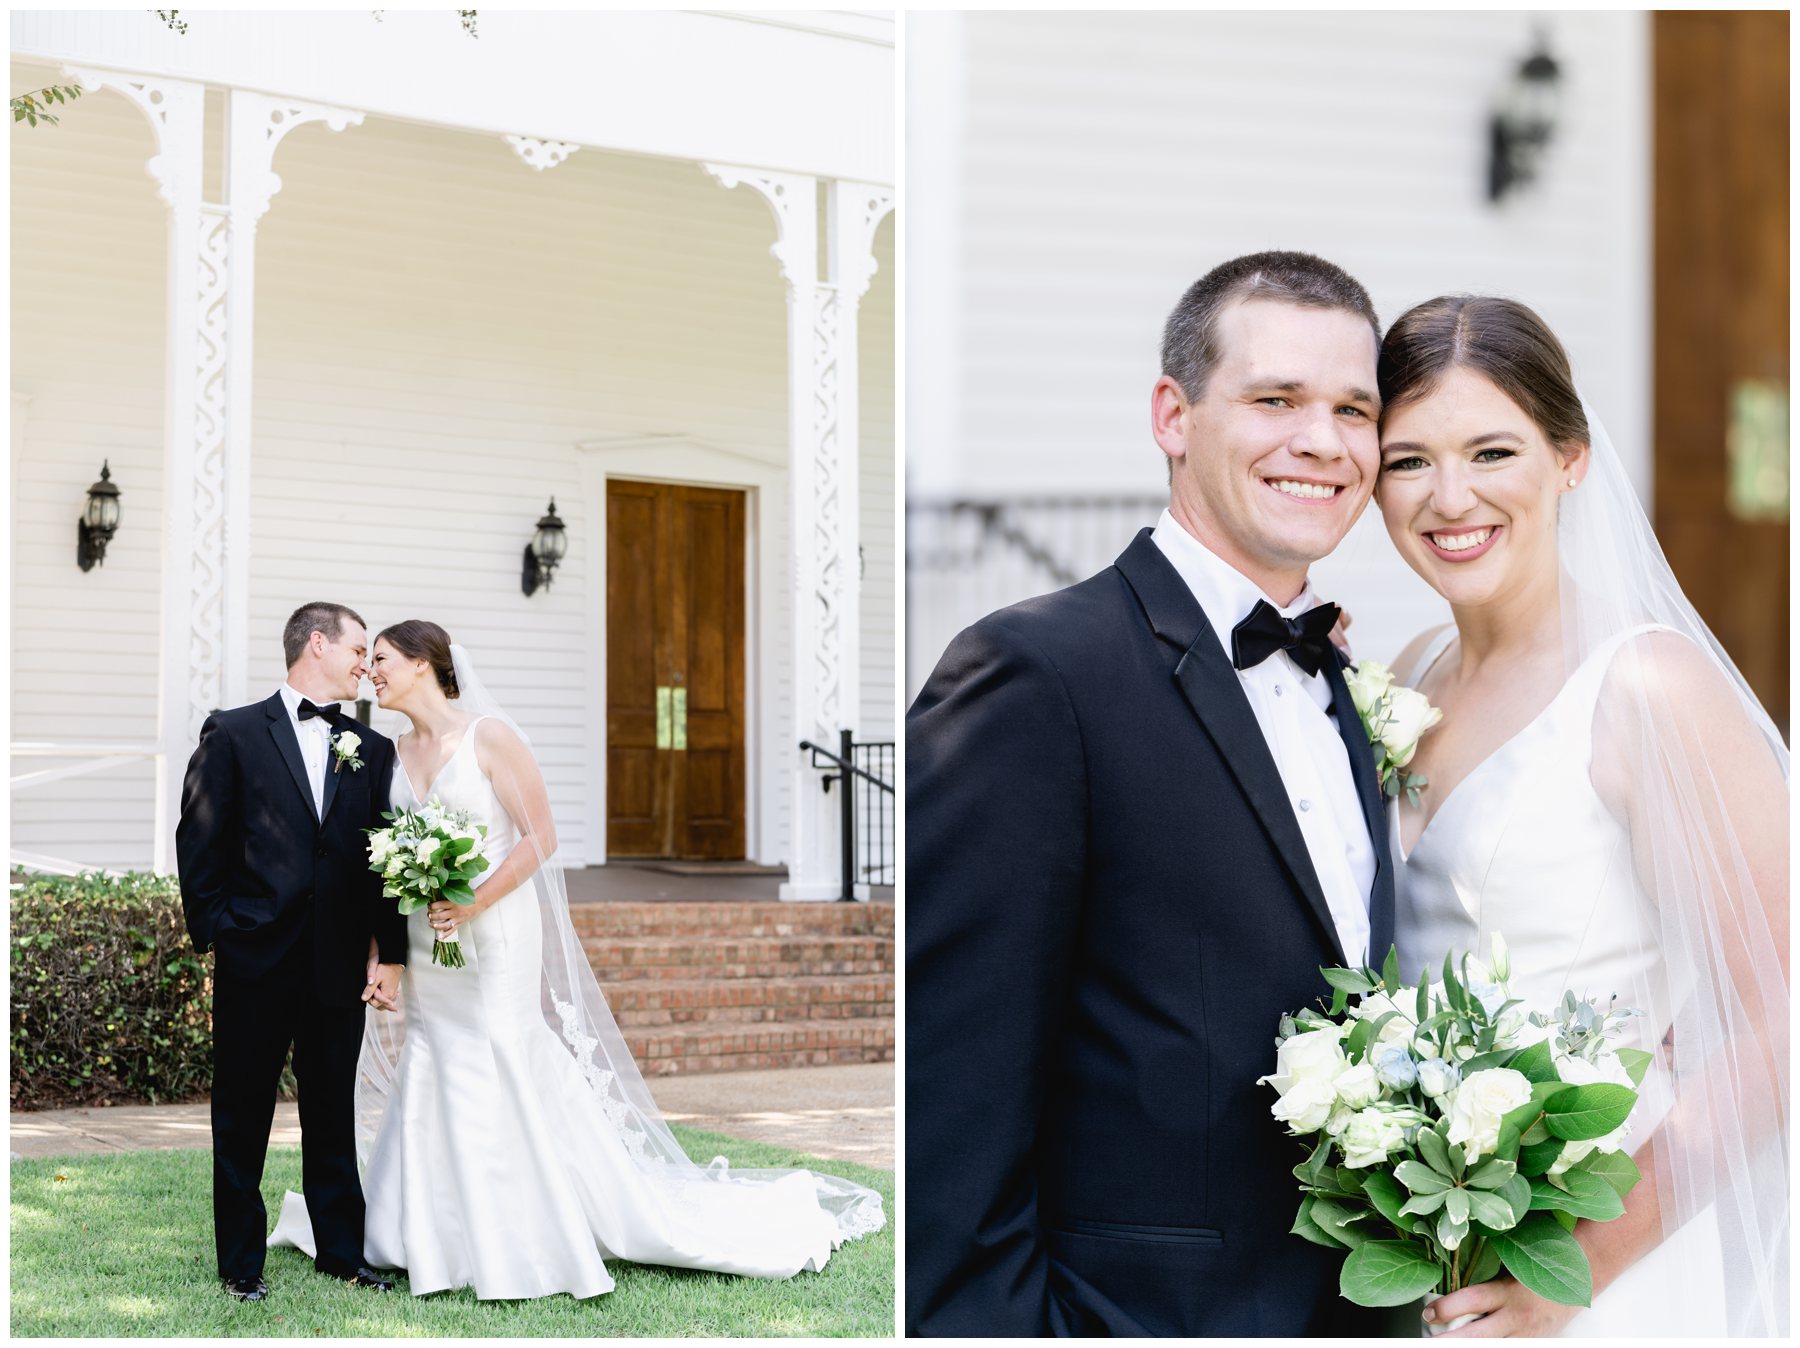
[(344, 301)]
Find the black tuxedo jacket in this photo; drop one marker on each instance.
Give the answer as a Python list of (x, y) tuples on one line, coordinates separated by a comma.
[(1109, 906), (260, 872)]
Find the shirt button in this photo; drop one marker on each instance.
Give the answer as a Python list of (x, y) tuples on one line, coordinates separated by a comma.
[(1305, 805), (1279, 690)]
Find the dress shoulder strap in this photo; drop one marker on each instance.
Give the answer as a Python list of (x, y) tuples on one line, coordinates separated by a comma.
[(1433, 652)]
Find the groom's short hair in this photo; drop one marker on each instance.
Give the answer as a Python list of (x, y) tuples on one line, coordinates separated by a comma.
[(1190, 349), (316, 617)]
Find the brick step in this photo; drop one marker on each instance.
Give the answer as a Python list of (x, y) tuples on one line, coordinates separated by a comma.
[(623, 959), (732, 919), (736, 1048), (648, 1002)]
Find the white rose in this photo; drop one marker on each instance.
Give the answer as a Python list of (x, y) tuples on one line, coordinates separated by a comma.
[(381, 847), (1479, 1104), (426, 848), (1437, 1077), (348, 743), (1409, 716), (1371, 1136), (1314, 1055), (1368, 682), (1305, 1108), (1339, 1120), (1357, 1086)]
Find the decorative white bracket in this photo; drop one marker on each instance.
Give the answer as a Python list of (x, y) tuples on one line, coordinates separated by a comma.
[(794, 198), (541, 154), (854, 212), (258, 124), (175, 109)]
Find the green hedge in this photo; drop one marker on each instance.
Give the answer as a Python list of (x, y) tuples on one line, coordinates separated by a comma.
[(110, 1004)]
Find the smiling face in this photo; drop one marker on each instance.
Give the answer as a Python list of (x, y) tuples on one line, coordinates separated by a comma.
[(395, 676), (1468, 490), (1275, 462), (339, 662)]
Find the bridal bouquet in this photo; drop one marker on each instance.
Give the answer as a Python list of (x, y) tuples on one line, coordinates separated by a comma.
[(1458, 1133), (428, 854)]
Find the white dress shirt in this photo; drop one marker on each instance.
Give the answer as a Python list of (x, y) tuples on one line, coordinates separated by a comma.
[(1290, 707), (314, 734)]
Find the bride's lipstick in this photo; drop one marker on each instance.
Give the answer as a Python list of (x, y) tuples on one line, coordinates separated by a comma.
[(1462, 554)]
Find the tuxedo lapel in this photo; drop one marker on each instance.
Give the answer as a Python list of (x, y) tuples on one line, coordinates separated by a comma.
[(1211, 688), (1368, 791), (281, 729), (332, 771)]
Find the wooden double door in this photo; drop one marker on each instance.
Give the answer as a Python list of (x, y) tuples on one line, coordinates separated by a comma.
[(674, 671)]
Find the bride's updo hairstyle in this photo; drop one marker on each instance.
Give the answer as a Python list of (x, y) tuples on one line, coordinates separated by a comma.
[(1501, 339), (418, 639)]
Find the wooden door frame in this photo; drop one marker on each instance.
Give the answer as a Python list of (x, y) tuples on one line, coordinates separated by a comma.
[(681, 460)]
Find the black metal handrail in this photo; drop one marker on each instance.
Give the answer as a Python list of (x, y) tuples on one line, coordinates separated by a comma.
[(877, 830)]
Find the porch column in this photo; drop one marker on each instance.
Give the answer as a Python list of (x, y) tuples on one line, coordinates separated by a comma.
[(204, 641), (822, 477)]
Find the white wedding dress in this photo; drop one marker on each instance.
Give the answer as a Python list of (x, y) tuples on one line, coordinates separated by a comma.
[(500, 1166), (1524, 846)]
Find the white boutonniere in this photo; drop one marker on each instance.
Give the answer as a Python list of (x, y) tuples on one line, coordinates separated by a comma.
[(1395, 719), (345, 744)]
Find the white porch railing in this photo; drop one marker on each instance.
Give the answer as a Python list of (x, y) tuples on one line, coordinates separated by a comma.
[(90, 759)]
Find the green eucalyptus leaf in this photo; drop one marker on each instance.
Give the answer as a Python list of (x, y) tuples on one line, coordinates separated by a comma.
[(1339, 1221), (1547, 1260), (1517, 1193), (1307, 1229), (1615, 1167), (1535, 1062), (1535, 1159), (1390, 971), (1348, 980), (1387, 1273), (1588, 1111), (1636, 1062), (1385, 1193)]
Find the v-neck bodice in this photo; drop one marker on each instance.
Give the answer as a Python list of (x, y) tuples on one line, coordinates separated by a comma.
[(1525, 846), (460, 784)]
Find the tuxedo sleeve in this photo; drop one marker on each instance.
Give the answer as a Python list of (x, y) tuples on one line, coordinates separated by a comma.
[(995, 854), (389, 922), (208, 835)]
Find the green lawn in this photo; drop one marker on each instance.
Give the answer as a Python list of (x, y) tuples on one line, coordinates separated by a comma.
[(121, 1245)]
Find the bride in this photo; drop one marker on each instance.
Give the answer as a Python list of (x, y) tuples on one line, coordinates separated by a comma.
[(1606, 793), (507, 1139)]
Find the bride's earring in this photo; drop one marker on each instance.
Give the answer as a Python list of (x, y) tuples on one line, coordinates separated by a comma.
[(1571, 484)]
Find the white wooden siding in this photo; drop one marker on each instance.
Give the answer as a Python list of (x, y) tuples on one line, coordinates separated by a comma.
[(880, 647), (1104, 161), (437, 326)]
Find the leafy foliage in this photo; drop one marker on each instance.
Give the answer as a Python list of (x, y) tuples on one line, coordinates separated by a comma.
[(109, 1001), (34, 107)]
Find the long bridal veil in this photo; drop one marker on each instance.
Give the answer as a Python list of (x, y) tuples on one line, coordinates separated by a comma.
[(1700, 775), (577, 1013)]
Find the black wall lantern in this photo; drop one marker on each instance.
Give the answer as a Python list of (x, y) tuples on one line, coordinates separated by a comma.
[(1520, 128), (94, 530), (545, 550)]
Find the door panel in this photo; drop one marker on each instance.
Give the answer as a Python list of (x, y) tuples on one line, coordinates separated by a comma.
[(1721, 307), (675, 623)]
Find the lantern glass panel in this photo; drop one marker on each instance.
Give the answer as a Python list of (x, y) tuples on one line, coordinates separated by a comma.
[(550, 545)]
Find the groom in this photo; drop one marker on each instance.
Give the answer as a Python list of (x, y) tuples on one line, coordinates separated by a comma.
[(1141, 814), (275, 880)]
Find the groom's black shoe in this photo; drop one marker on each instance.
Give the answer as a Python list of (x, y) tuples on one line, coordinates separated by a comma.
[(246, 1289), (368, 1277)]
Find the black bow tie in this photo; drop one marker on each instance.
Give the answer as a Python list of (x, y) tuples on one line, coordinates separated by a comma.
[(1306, 639), (307, 709)]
